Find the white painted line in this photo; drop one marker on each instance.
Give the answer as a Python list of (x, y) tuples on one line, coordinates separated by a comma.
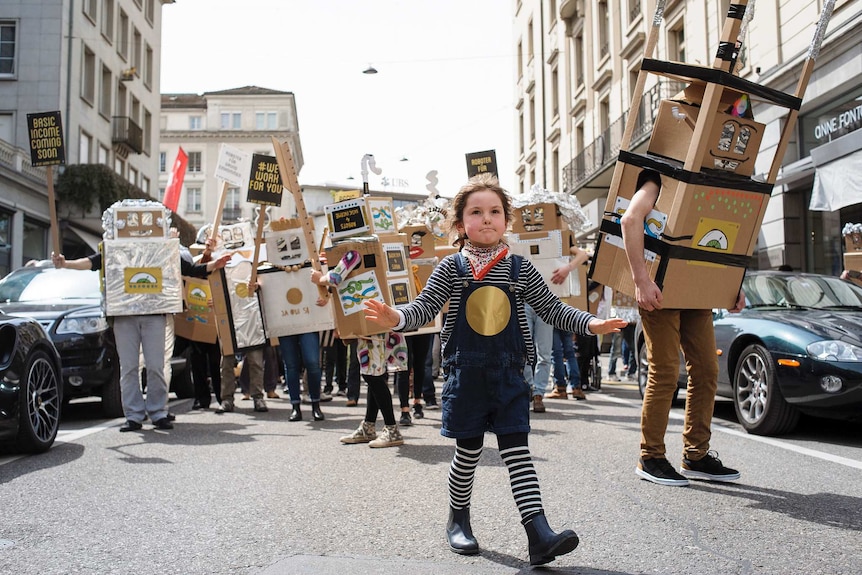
[(845, 461)]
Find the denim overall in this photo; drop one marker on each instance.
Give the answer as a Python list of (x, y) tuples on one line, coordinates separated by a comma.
[(485, 356)]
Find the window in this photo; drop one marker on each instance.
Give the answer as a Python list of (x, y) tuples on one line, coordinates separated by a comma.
[(521, 131), (137, 47), (119, 166), (88, 76), (108, 19), (676, 41), (104, 155), (231, 120), (520, 60), (145, 185), (105, 92), (133, 176), (35, 244), (194, 164), (604, 29), (555, 94), (135, 111), (233, 200), (530, 41), (578, 60), (163, 162), (8, 48), (555, 171), (162, 195), (7, 126), (552, 16), (122, 99), (84, 147), (148, 130), (90, 7), (195, 123), (532, 119), (5, 238), (193, 200), (265, 121), (148, 66), (150, 10), (123, 35)]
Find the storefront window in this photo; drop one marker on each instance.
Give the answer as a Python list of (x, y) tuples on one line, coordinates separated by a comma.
[(838, 118), (35, 241), (5, 238)]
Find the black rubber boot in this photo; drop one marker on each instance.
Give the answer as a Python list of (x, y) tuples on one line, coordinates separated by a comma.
[(460, 534), (315, 411), (295, 414), (545, 545)]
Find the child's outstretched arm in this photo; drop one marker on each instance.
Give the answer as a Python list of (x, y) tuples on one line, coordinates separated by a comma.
[(600, 326), (382, 314)]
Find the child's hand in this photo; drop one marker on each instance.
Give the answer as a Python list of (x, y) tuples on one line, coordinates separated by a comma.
[(381, 313), (322, 301), (315, 277), (600, 326)]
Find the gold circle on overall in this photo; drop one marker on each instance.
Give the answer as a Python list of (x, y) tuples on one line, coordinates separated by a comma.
[(294, 296), (242, 290), (488, 310)]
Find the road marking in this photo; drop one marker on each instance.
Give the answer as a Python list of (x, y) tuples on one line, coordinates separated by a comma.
[(847, 462)]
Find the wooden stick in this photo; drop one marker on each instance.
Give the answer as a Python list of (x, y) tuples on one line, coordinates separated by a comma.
[(207, 255), (52, 208), (289, 180), (261, 219), (790, 124)]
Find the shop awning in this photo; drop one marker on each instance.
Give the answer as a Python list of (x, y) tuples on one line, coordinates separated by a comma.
[(838, 174), (85, 236)]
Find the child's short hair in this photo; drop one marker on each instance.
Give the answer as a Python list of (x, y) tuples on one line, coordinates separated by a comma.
[(475, 184)]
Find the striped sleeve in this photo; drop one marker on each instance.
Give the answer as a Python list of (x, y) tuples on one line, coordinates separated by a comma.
[(548, 306), (433, 296)]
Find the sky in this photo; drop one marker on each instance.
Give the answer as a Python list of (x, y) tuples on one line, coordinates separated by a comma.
[(444, 87)]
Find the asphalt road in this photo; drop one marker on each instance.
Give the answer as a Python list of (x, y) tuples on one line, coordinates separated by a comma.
[(254, 494)]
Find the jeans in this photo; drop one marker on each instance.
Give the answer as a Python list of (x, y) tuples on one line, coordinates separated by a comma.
[(537, 376), (565, 362), (132, 334), (665, 332), (298, 351)]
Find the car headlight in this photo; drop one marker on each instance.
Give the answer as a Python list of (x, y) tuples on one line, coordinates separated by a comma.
[(83, 323), (833, 350)]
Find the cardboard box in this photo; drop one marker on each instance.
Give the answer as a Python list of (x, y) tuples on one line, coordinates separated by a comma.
[(578, 297), (288, 301), (537, 218), (197, 321), (140, 223), (142, 277), (421, 242), (732, 143), (367, 281), (381, 212), (239, 321), (548, 251), (853, 242), (396, 254), (286, 246), (853, 261)]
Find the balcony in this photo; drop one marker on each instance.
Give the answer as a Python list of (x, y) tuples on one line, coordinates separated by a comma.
[(602, 152), (127, 134)]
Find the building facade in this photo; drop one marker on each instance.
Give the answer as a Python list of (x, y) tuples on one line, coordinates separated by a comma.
[(577, 65), (97, 62), (244, 118)]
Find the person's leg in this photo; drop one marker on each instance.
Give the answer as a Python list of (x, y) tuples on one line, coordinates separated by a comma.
[(616, 343), (169, 347), (228, 383), (543, 339), (697, 339), (544, 543), (198, 365), (213, 359), (270, 371), (353, 380), (462, 472), (557, 358), (128, 341), (340, 366), (662, 337), (629, 340), (291, 356), (153, 343), (309, 346)]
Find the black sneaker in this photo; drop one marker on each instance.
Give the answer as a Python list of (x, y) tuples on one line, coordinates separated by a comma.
[(708, 468), (130, 426), (417, 411), (163, 423), (659, 470), (405, 420)]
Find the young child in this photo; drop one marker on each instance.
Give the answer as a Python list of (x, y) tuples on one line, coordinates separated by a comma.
[(486, 344)]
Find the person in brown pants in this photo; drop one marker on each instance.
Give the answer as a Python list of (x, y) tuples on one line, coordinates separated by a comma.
[(666, 331)]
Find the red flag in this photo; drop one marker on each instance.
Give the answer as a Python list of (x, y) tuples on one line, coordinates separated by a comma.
[(175, 181)]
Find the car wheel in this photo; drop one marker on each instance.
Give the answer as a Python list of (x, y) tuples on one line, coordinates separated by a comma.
[(41, 402), (760, 407), (112, 399)]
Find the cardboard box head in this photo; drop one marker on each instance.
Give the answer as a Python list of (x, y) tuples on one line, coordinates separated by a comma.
[(366, 281), (853, 242), (537, 218), (732, 143)]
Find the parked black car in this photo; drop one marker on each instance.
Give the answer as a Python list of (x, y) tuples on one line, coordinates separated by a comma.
[(67, 303), (30, 392), (795, 348)]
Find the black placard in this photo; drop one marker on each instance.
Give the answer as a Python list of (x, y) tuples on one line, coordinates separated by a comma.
[(45, 130), (481, 163), (264, 181)]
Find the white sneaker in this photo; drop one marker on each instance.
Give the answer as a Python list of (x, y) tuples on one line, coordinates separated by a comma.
[(612, 377), (389, 437)]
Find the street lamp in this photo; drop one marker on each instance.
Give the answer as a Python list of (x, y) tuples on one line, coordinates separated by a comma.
[(370, 70)]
